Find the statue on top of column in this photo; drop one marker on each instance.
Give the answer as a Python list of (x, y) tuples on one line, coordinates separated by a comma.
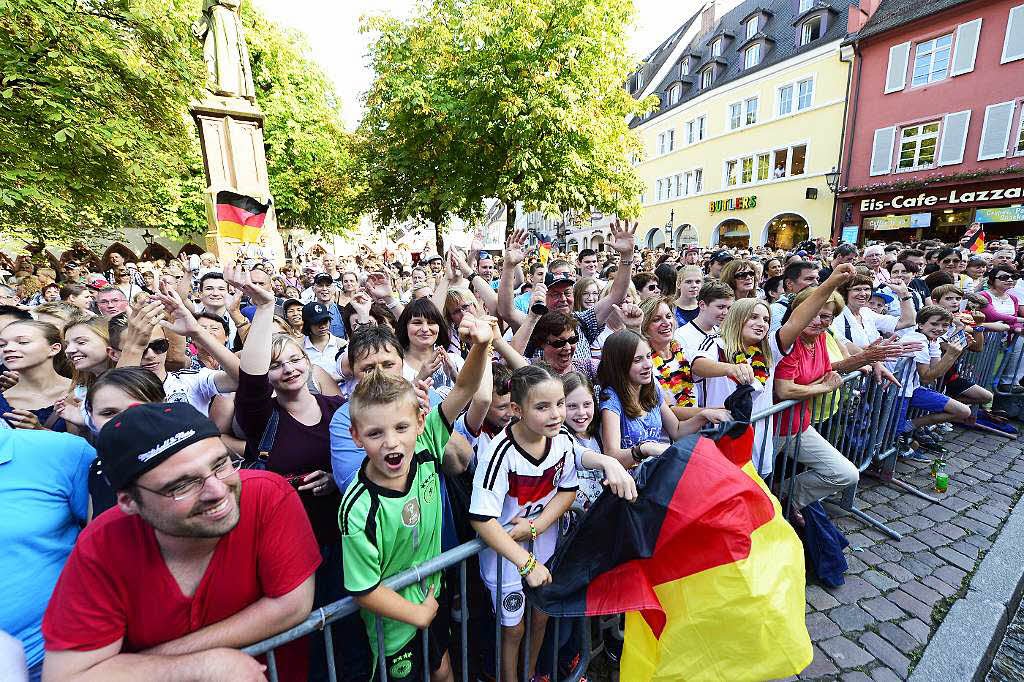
[(228, 72)]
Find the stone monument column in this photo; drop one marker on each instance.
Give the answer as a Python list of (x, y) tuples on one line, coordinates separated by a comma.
[(231, 126)]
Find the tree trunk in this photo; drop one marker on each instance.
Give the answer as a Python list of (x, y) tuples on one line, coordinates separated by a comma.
[(437, 217), (510, 217)]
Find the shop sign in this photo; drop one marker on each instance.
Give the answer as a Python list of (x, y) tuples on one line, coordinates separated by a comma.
[(952, 197), (1006, 214), (734, 204), (898, 222), (849, 234)]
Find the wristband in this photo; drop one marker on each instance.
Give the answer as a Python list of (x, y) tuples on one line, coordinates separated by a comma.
[(637, 455), (533, 531), (530, 564)]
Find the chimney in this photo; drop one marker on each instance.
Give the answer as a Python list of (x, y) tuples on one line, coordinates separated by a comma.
[(861, 14), (707, 18)]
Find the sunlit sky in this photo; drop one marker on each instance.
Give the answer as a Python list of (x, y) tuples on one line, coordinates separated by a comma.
[(332, 27)]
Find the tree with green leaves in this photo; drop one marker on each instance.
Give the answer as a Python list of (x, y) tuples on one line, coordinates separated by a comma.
[(520, 100), (544, 98), (411, 165), (91, 104), (95, 133)]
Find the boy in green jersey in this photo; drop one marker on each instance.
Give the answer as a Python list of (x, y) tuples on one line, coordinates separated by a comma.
[(391, 513)]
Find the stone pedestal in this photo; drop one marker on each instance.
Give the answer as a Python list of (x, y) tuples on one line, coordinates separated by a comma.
[(231, 135)]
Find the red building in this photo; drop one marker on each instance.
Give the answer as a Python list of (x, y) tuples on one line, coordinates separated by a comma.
[(935, 121)]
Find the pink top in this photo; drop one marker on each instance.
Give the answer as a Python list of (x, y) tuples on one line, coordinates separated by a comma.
[(993, 315)]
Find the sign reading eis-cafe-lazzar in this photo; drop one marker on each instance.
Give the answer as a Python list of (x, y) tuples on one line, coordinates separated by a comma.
[(734, 204), (951, 197)]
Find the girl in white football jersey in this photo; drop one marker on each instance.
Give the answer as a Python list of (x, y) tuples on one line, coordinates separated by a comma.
[(525, 482)]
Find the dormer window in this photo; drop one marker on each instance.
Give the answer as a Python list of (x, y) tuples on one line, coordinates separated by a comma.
[(706, 76), (752, 56), (716, 48), (673, 94), (751, 28), (805, 5), (810, 30), (684, 67), (640, 80)]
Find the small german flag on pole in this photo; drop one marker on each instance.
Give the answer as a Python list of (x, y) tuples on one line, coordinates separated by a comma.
[(240, 217), (975, 237)]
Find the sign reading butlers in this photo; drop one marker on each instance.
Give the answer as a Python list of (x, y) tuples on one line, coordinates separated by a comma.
[(951, 197), (734, 204)]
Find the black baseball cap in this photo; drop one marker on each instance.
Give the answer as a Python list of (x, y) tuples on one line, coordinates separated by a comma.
[(314, 313), (559, 278), (722, 257), (323, 278), (143, 436)]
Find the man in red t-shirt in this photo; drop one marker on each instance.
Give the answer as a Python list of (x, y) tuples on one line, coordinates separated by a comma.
[(168, 584)]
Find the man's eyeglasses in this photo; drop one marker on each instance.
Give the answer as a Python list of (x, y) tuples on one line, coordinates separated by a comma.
[(560, 343), (224, 469)]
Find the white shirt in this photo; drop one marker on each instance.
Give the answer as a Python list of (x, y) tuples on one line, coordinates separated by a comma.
[(862, 329), (509, 483), (326, 359), (690, 336), (717, 389), (922, 357), (193, 386)]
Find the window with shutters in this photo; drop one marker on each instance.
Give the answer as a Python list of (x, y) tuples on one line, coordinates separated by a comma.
[(1018, 149), (965, 47), (805, 94), (752, 56), (735, 116), (810, 30), (995, 131), (931, 60), (750, 105), (785, 101), (1013, 41), (896, 71), (706, 76), (917, 146)]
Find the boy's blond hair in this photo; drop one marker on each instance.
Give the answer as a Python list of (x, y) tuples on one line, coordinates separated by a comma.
[(380, 388)]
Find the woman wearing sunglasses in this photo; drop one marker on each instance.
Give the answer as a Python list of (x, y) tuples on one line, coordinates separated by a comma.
[(554, 341), (741, 275), (1004, 306), (950, 261), (647, 286)]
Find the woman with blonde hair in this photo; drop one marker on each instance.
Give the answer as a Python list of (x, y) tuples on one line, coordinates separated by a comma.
[(741, 275), (586, 293), (745, 352)]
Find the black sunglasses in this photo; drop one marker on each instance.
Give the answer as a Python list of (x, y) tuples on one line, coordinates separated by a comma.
[(560, 343), (159, 346), (1004, 278), (744, 274)]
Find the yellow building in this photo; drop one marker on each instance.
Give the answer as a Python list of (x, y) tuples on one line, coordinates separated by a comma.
[(751, 121)]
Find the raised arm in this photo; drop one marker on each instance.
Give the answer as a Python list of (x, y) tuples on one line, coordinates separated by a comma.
[(378, 286), (483, 291), (255, 359), (181, 323), (623, 240), (466, 384), (136, 336), (908, 316), (805, 313), (514, 255)]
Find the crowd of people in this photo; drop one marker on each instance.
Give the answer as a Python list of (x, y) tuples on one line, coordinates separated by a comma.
[(195, 454)]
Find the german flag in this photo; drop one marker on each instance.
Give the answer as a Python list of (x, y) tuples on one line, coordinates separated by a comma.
[(975, 238), (544, 252), (240, 217), (709, 573)]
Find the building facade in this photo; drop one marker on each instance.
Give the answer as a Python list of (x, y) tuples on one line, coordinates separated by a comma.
[(935, 129), (752, 109)]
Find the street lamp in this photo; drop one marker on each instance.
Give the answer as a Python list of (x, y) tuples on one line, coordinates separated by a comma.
[(148, 237), (832, 180), (668, 229)]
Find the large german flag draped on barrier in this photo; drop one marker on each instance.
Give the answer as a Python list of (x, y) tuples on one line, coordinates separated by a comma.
[(240, 217), (709, 572)]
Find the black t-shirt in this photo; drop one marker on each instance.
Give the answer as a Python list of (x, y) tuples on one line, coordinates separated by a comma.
[(918, 285)]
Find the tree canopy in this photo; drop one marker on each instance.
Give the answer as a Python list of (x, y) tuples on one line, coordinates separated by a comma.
[(95, 134), (521, 100)]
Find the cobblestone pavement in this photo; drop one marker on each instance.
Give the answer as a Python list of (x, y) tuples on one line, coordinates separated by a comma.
[(896, 593)]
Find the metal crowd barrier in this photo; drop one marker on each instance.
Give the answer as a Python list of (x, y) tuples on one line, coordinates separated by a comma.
[(862, 419)]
